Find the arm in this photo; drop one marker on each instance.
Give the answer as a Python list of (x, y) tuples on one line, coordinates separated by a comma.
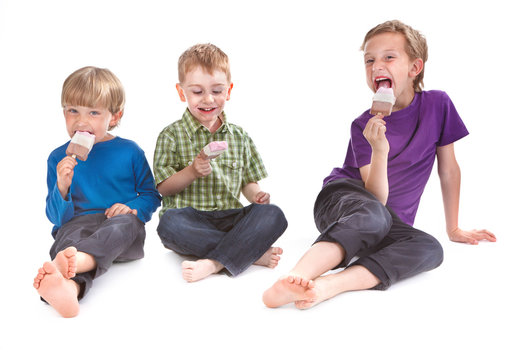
[(59, 206), (449, 173), (177, 182), (253, 194), (374, 175)]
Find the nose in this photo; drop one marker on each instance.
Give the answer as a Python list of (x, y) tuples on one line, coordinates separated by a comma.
[(378, 65), (209, 98)]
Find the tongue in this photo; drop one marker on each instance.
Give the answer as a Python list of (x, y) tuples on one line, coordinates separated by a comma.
[(384, 84)]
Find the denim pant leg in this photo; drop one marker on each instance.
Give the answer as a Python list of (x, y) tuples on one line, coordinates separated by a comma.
[(188, 231), (255, 228), (120, 238)]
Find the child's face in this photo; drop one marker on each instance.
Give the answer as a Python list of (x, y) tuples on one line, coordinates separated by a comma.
[(205, 94), (95, 120), (387, 64)]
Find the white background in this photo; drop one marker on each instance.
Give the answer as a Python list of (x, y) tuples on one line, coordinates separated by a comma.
[(298, 83)]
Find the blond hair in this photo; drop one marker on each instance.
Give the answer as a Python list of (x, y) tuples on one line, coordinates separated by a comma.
[(208, 56), (415, 44), (91, 86)]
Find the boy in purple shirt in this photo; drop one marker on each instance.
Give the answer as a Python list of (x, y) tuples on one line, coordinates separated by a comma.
[(367, 207)]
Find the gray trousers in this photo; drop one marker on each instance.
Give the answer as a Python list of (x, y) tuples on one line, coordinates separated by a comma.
[(117, 239), (346, 213)]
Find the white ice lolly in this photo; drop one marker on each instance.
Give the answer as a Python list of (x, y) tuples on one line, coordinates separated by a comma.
[(80, 145), (382, 101), (214, 149)]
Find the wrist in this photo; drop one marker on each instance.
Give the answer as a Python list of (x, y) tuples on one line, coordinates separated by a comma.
[(63, 190), (451, 230), (380, 154)]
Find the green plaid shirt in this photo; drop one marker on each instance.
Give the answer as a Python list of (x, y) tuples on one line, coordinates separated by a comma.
[(180, 142)]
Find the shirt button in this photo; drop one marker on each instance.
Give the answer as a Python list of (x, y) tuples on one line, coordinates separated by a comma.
[(189, 163), (218, 197), (234, 164)]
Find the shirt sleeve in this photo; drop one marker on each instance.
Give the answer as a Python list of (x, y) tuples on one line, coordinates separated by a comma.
[(58, 210), (165, 157), (453, 128), (255, 169), (148, 199)]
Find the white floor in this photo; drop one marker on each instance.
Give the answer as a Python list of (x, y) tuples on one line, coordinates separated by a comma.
[(472, 306), (299, 80)]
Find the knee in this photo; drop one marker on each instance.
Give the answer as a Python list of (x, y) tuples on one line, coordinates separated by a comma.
[(271, 214), (372, 217), (173, 222), (436, 252)]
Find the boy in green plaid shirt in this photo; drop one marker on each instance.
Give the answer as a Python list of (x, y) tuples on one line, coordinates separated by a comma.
[(202, 215)]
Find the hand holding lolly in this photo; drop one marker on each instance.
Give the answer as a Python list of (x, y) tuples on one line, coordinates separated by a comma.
[(80, 145)]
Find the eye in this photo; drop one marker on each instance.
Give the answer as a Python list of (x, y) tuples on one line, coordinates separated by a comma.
[(218, 91), (71, 110), (94, 113), (197, 92), (369, 61)]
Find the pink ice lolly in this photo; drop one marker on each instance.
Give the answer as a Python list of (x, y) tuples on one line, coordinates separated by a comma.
[(214, 149), (80, 145), (382, 101)]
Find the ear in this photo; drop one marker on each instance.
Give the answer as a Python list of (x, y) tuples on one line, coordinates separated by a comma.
[(229, 91), (416, 67), (115, 119), (180, 92)]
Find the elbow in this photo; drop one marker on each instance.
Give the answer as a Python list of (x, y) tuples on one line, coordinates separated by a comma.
[(449, 172)]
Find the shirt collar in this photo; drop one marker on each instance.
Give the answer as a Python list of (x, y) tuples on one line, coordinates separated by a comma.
[(191, 125)]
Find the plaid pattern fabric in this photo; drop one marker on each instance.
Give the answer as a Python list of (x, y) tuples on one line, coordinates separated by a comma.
[(180, 142)]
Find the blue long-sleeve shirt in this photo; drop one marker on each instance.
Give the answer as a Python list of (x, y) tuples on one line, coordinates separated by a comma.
[(116, 171)]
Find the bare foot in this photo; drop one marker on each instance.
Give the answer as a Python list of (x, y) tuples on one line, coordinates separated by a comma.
[(270, 258), (58, 291), (288, 289), (197, 270), (322, 292), (66, 262)]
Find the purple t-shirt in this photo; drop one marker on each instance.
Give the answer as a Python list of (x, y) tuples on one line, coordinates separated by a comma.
[(414, 133)]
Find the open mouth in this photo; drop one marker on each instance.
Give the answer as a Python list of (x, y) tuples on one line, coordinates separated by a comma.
[(382, 81)]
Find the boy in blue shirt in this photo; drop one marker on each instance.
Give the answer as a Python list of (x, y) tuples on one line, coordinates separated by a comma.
[(98, 207)]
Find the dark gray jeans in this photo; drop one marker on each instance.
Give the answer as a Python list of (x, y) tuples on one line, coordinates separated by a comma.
[(236, 238), (346, 213), (120, 238)]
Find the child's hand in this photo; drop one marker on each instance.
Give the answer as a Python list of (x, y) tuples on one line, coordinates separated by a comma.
[(65, 174), (375, 134), (471, 237), (119, 209), (262, 198), (201, 166)]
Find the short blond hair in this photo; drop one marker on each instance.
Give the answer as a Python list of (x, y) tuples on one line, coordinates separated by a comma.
[(208, 56), (91, 86), (416, 45)]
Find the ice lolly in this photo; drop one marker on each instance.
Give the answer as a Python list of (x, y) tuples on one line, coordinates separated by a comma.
[(214, 149), (382, 101), (80, 145)]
